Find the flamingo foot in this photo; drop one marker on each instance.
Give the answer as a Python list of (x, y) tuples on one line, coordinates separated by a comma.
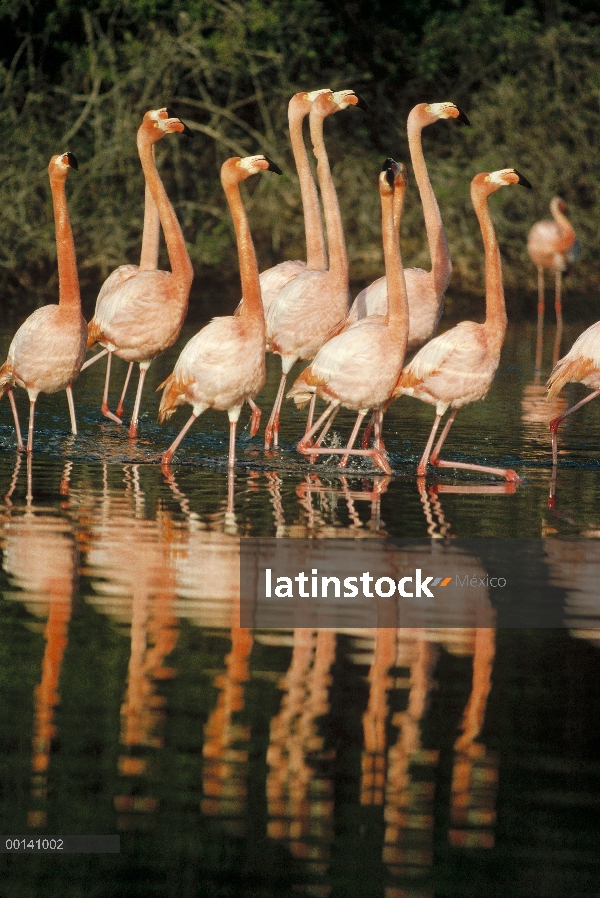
[(381, 461), (108, 414), (119, 411), (268, 436), (304, 445), (165, 462), (555, 424), (133, 430), (512, 476), (255, 422), (422, 471)]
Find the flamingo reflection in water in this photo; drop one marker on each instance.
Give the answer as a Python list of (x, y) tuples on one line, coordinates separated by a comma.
[(40, 558), (328, 500)]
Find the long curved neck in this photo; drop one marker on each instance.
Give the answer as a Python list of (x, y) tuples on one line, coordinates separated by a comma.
[(566, 228), (495, 309), (181, 265), (397, 315), (252, 306), (338, 258), (68, 280), (441, 264), (316, 254), (151, 232)]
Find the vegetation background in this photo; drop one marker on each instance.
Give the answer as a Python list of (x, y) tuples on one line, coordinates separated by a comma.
[(79, 74)]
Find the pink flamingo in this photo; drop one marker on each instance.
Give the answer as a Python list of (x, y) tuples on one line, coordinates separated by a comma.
[(142, 316), (47, 351), (274, 279), (223, 365), (359, 367), (580, 365), (458, 367), (426, 289), (305, 311), (148, 262), (552, 244)]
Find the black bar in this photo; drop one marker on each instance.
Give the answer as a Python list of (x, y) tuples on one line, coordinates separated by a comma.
[(60, 844)]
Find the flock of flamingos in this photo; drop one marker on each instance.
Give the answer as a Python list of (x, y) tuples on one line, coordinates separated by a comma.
[(298, 310)]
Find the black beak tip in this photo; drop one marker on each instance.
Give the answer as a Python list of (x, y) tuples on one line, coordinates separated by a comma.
[(462, 117), (273, 166), (187, 131), (387, 164), (523, 180), (361, 103), (72, 161), (170, 113), (390, 177)]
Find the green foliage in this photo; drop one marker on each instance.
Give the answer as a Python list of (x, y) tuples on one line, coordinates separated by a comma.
[(80, 76)]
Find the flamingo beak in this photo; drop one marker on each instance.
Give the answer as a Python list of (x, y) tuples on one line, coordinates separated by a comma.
[(522, 180), (187, 131), (71, 161), (462, 117), (390, 178), (361, 103), (273, 166)]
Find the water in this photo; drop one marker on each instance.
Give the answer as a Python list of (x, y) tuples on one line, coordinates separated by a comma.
[(421, 763)]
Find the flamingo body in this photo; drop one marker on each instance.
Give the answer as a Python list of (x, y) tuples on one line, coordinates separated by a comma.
[(580, 365), (274, 279), (549, 242)]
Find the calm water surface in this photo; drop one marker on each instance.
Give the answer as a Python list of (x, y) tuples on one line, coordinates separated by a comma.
[(384, 762)]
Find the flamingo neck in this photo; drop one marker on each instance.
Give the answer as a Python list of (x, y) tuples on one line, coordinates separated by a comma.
[(179, 259), (397, 314), (338, 258), (252, 306), (68, 279), (565, 227), (441, 264), (151, 232), (316, 254), (495, 308)]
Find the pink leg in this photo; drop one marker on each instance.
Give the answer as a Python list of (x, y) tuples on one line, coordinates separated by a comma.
[(422, 467), (507, 473), (255, 423), (378, 429), (231, 456), (30, 436), (272, 429), (306, 449), (306, 440), (540, 320), (369, 428), (324, 431), (105, 409), (311, 412), (13, 406), (93, 359), (559, 320), (168, 455), (138, 397), (352, 439), (230, 491), (125, 385), (555, 424), (368, 431), (72, 410)]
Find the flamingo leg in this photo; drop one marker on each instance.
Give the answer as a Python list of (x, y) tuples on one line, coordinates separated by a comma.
[(306, 440), (556, 422), (559, 319), (507, 473), (230, 491), (311, 412), (231, 456), (168, 455), (305, 447), (256, 413), (540, 320), (13, 406), (368, 430), (93, 359), (31, 415), (324, 431), (422, 467), (272, 428), (69, 392), (125, 385), (138, 398), (105, 409), (352, 440)]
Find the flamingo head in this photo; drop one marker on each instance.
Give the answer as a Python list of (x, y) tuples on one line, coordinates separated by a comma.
[(560, 204), (428, 113), (236, 169), (303, 101), (60, 164), (489, 182), (158, 122), (393, 174), (328, 102)]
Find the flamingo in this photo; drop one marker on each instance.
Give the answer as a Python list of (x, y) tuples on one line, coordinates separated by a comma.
[(274, 279), (359, 367), (305, 311), (580, 365), (223, 365), (47, 351), (458, 367), (552, 244), (148, 262), (142, 316), (426, 289)]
